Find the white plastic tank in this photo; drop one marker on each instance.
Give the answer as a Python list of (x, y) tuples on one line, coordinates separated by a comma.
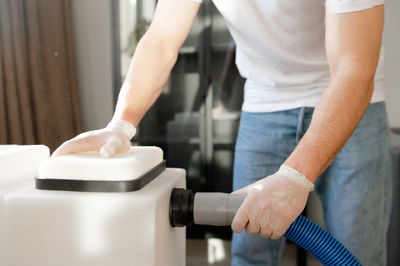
[(66, 228), (18, 168)]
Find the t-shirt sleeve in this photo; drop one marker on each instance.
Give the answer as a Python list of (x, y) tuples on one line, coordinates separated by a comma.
[(198, 1), (343, 6)]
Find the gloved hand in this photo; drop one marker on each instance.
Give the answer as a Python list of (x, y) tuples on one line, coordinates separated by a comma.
[(272, 203), (115, 138)]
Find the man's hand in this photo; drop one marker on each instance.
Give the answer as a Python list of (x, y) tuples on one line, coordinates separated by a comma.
[(272, 203), (115, 138)]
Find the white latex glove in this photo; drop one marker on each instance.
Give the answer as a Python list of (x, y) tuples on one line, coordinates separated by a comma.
[(115, 138), (272, 203)]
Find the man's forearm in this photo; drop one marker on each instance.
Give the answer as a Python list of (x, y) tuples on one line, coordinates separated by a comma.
[(154, 58), (352, 42), (147, 76), (334, 120)]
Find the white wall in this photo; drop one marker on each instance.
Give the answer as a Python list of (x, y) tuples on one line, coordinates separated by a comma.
[(392, 60), (92, 30)]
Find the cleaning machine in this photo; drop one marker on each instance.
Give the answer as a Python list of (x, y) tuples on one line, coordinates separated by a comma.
[(84, 210)]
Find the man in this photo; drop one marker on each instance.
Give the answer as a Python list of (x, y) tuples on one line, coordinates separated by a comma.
[(314, 83)]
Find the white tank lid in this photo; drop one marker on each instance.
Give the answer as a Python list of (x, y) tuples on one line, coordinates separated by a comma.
[(91, 166)]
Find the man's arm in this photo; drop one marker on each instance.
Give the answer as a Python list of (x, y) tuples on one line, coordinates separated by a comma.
[(154, 58), (353, 42), (148, 73)]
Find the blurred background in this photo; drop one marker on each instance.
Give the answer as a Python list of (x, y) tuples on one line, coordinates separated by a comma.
[(62, 63)]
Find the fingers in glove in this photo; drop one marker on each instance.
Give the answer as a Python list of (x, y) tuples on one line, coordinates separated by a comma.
[(241, 218), (253, 226), (112, 146), (108, 150), (89, 143), (280, 226), (266, 229), (115, 144)]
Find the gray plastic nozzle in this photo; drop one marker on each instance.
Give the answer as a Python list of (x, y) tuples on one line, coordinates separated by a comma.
[(205, 208), (216, 208)]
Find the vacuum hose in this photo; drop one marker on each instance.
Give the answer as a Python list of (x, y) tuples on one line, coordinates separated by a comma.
[(219, 209)]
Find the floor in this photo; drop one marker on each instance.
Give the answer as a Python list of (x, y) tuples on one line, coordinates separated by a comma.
[(216, 252)]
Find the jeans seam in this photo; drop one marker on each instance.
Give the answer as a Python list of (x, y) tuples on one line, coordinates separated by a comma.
[(299, 127)]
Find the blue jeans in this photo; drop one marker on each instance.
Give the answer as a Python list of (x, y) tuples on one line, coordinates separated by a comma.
[(355, 190)]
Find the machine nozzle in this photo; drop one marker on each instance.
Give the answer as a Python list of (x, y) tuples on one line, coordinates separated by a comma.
[(209, 208)]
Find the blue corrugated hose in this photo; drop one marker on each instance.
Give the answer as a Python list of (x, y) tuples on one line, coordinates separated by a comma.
[(319, 243)]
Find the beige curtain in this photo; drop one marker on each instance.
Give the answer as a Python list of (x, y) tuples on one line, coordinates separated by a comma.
[(38, 84)]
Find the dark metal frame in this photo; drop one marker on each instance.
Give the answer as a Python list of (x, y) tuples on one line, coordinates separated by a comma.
[(116, 49), (205, 88)]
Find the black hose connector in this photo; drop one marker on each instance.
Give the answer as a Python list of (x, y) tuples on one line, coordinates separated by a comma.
[(181, 207)]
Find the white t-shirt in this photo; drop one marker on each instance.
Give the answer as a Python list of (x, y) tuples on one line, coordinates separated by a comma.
[(280, 49)]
